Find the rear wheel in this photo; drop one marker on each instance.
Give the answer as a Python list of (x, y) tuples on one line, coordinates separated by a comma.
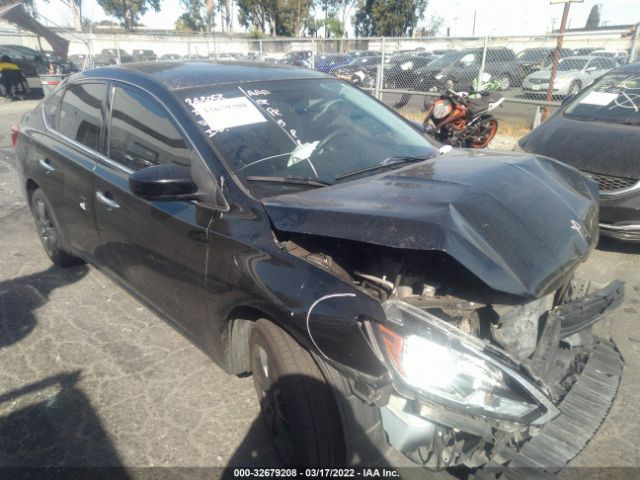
[(49, 232), (297, 404), (485, 134)]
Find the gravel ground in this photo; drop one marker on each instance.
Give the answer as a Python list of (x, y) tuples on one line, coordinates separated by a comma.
[(90, 377)]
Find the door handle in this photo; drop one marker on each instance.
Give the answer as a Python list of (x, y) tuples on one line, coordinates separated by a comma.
[(46, 164), (109, 202)]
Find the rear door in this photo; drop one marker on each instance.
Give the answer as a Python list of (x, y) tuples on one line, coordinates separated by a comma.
[(157, 248)]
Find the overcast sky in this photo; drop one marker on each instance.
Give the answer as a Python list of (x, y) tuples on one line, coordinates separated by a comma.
[(493, 17)]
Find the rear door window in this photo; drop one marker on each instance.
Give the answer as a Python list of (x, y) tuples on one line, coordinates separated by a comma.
[(80, 116), (142, 133)]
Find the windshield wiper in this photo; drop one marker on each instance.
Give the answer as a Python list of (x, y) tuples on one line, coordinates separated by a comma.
[(290, 180), (388, 162)]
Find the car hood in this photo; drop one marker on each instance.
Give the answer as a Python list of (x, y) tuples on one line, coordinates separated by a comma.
[(597, 147), (546, 74), (519, 223)]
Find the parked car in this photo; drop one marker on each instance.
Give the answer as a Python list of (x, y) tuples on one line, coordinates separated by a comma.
[(144, 56), (463, 67), (364, 64), (534, 59), (31, 62), (363, 53), (170, 56), (620, 56), (78, 60), (401, 71), (113, 56), (598, 132), (300, 58), (580, 52), (58, 64), (324, 63), (382, 292), (573, 74)]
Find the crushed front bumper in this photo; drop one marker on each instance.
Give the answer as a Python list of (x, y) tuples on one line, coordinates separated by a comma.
[(581, 379), (583, 410)]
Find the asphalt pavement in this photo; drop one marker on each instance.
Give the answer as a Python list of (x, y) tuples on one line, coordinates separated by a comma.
[(90, 377)]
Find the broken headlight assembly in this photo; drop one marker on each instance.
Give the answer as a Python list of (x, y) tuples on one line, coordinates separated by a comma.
[(446, 366)]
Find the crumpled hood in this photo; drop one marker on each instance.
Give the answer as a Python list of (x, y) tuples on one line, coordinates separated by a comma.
[(519, 223)]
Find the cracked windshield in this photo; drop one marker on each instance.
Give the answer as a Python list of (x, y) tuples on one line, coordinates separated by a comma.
[(303, 129)]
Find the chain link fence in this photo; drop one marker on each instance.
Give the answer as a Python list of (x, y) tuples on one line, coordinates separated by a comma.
[(404, 73)]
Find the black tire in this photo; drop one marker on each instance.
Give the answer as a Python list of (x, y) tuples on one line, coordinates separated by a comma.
[(49, 232), (297, 403)]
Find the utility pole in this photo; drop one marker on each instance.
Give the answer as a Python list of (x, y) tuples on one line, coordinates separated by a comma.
[(556, 53), (473, 31)]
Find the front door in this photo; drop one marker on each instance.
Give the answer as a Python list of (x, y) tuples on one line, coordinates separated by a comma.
[(157, 248)]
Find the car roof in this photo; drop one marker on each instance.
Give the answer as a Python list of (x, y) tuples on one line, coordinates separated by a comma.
[(190, 73)]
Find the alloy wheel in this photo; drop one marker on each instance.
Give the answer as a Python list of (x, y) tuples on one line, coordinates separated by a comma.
[(46, 229)]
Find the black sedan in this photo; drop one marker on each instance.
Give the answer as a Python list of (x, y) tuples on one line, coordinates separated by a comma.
[(382, 293), (598, 132)]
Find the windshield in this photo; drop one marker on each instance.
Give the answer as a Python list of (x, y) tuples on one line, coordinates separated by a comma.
[(447, 59), (571, 64), (614, 98), (533, 54), (315, 129)]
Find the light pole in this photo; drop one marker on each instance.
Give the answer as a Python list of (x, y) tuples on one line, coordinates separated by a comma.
[(556, 53)]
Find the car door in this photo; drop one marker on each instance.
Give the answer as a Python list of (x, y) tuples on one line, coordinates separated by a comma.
[(157, 248), (67, 155)]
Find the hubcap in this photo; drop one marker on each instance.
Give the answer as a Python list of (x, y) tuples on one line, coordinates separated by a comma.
[(46, 229), (272, 404)]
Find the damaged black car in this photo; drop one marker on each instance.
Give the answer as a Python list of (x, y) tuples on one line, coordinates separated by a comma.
[(394, 303)]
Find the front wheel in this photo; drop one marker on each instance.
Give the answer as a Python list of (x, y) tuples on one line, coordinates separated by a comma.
[(297, 404), (574, 88)]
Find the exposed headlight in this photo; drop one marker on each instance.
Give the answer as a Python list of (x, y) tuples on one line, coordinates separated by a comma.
[(441, 108), (439, 76), (407, 65), (446, 366)]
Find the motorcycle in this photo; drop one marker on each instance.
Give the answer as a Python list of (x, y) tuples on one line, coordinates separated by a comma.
[(462, 119)]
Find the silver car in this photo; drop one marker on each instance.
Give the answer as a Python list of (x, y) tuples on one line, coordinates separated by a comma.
[(574, 73)]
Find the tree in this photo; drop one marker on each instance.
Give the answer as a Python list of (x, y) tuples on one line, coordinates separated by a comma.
[(76, 12), (593, 21), (199, 16), (283, 17), (290, 15), (393, 18), (340, 9), (128, 11), (333, 27), (256, 14)]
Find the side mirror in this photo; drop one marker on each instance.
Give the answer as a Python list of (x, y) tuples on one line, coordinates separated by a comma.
[(567, 99), (163, 182)]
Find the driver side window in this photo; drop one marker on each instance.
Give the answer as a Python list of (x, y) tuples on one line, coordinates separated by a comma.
[(141, 132)]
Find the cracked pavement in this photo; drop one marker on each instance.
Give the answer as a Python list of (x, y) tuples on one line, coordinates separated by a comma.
[(90, 377)]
